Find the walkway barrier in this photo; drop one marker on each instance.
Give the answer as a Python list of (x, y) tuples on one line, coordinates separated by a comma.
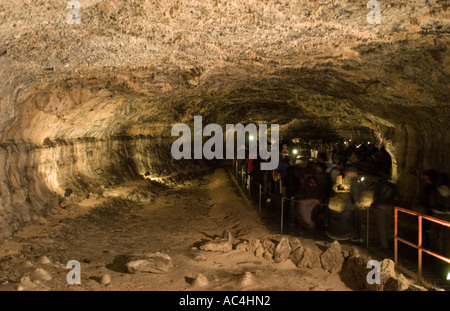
[(417, 246), (247, 182)]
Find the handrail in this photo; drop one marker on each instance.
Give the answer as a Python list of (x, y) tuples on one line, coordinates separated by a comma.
[(418, 246)]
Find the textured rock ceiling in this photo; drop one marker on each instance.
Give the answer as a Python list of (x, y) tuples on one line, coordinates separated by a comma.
[(103, 95)]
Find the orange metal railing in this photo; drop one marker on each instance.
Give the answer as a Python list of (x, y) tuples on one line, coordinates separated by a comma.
[(418, 246)]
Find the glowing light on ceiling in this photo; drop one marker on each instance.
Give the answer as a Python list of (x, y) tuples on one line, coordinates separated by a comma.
[(362, 178), (295, 151)]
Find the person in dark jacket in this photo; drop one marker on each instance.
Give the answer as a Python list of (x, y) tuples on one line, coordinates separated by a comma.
[(324, 185), (384, 198), (428, 196), (293, 176), (351, 208), (308, 197)]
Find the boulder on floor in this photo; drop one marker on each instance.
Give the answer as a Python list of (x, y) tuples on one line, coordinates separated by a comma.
[(150, 263), (200, 281), (220, 245), (399, 284), (332, 259), (282, 250), (354, 271), (269, 246), (305, 257)]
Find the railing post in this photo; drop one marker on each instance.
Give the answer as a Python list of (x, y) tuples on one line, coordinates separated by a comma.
[(242, 177), (249, 180), (419, 244), (282, 214), (260, 190), (368, 223), (395, 236)]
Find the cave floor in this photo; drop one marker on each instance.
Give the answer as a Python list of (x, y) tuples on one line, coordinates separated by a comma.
[(135, 219)]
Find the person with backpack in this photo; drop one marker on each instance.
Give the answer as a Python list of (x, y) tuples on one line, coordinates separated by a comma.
[(293, 184), (351, 209), (384, 198), (325, 187), (308, 197), (331, 169)]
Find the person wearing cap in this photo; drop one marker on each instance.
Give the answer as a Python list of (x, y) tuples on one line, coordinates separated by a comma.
[(283, 164), (351, 209)]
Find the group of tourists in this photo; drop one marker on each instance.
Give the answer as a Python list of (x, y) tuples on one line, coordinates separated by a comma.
[(307, 190)]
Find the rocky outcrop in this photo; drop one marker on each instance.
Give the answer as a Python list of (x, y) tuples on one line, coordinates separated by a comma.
[(332, 259), (356, 269), (282, 250)]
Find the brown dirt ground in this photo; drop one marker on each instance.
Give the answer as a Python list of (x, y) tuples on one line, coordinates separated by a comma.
[(137, 218)]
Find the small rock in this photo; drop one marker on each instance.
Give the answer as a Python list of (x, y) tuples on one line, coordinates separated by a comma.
[(305, 258), (269, 246), (152, 263), (106, 279), (295, 243), (354, 252), (332, 259), (259, 252), (227, 235), (64, 204), (354, 272), (44, 260), (253, 245), (387, 267), (26, 284), (27, 264), (282, 251), (417, 288), (396, 284), (40, 274), (217, 246), (246, 280), (200, 281), (267, 255), (346, 254), (309, 259), (42, 221), (241, 246), (297, 255), (437, 289)]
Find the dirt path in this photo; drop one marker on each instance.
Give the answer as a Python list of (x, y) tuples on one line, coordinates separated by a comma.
[(136, 218)]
